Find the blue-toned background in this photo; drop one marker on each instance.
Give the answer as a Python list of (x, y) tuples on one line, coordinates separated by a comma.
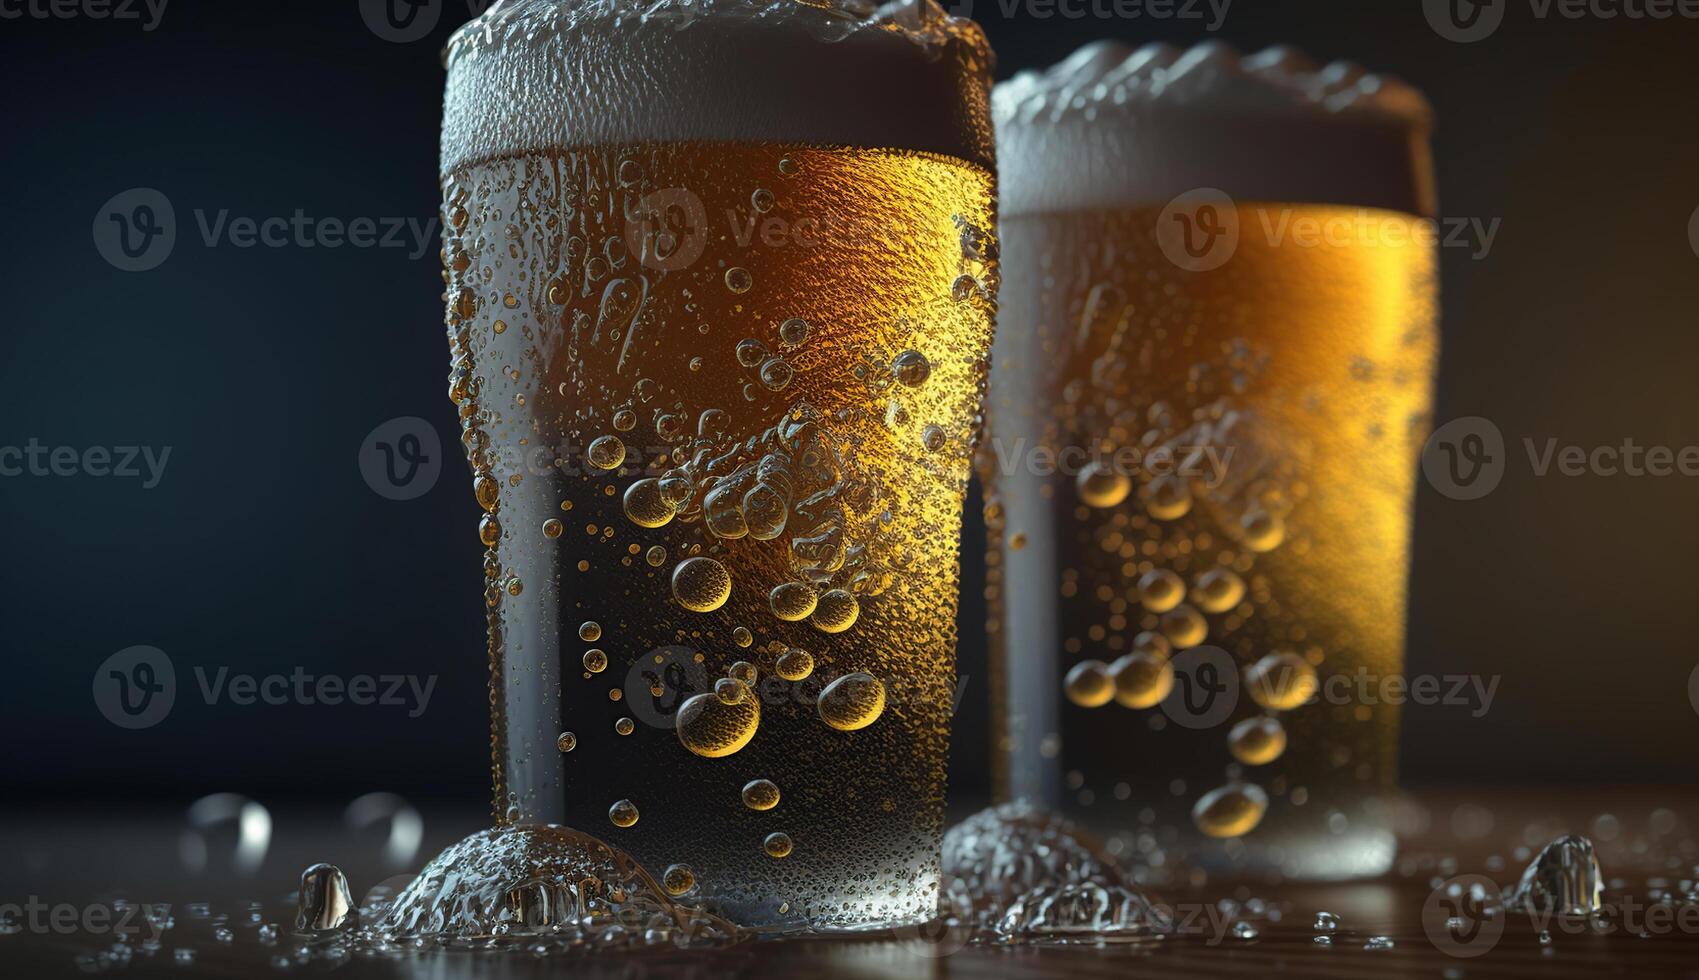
[(264, 369)]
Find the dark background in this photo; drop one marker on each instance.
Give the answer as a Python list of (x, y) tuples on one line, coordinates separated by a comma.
[(264, 369)]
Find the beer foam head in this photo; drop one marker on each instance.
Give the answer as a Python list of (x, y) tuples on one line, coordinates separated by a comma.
[(530, 75), (1114, 126)]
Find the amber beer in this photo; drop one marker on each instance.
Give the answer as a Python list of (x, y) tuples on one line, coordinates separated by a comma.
[(1218, 332), (719, 359)]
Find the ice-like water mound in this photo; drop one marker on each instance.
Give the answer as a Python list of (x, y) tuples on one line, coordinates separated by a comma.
[(1024, 874), (1564, 879), (542, 885)]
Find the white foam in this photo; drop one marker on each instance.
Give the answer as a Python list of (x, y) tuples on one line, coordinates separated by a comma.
[(1110, 125), (530, 75)]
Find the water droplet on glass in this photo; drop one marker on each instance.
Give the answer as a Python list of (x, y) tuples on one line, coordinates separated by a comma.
[(852, 702), (777, 845), (911, 368), (835, 612), (701, 584), (623, 813), (760, 794), (606, 453), (794, 664)]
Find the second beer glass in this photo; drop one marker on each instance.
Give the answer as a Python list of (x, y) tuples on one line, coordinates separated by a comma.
[(1211, 386)]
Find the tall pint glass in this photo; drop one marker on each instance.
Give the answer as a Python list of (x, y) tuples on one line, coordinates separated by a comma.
[(1211, 387), (720, 289)]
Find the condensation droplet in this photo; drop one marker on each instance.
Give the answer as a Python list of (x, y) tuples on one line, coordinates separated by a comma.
[(852, 702), (623, 813), (761, 794), (1088, 684), (701, 584)]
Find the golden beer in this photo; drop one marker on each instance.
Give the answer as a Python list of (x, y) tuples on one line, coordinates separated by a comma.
[(1205, 420), (720, 398)]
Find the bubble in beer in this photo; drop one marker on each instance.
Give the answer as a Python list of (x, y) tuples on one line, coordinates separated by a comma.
[(1184, 627), (676, 487), (625, 726), (1100, 485), (1218, 590), (794, 664), (1281, 681), (760, 794), (1017, 541), (515, 586), (933, 438), (742, 637), (751, 352), (743, 671), (1154, 644), (1088, 684), (1261, 530), (776, 373), (646, 506), (656, 556), (911, 368), (589, 631), (1230, 811), (835, 612), (567, 742), (793, 602), (595, 660), (1257, 741), (713, 728), (701, 584), (623, 813), (606, 453), (1166, 498), (794, 332), (1160, 590), (761, 200), (729, 690), (553, 528), (489, 530), (739, 280), (777, 845), (789, 167), (852, 702), (678, 879), (625, 420), (487, 490), (1141, 679)]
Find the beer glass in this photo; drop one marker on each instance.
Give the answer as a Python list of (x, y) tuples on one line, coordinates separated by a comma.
[(1211, 386), (720, 285)]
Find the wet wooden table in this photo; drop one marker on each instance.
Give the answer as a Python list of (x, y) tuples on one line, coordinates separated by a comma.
[(1648, 843)]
